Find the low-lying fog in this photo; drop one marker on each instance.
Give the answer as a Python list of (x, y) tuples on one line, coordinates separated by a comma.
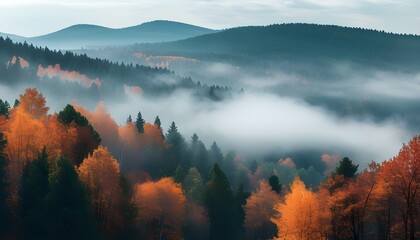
[(366, 117)]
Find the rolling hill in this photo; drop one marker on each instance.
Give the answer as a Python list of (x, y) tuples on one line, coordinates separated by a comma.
[(298, 43), (85, 35)]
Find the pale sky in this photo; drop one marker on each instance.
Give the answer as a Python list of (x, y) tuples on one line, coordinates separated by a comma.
[(37, 17)]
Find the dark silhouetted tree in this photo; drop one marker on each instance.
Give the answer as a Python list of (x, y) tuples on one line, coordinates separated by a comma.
[(157, 121), (87, 138), (69, 209), (129, 119), (32, 196), (4, 209), (140, 123), (177, 152), (4, 108), (347, 168), (220, 203), (275, 184)]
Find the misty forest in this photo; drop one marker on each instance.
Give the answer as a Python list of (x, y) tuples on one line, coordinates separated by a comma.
[(171, 131)]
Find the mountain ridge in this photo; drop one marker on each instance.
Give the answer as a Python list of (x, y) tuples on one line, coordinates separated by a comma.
[(87, 35), (297, 42)]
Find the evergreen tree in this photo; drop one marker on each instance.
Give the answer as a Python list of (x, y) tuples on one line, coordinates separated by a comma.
[(177, 152), (33, 191), (157, 121), (129, 119), (275, 183), (4, 209), (347, 168), (69, 209), (238, 217), (194, 141), (16, 104), (4, 108), (87, 138), (200, 156), (215, 154), (219, 200), (140, 123)]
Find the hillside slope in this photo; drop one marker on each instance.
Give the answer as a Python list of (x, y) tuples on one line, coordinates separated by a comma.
[(308, 43)]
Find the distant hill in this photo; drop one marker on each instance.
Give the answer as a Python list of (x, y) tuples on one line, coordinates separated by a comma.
[(70, 76), (12, 36), (84, 35), (298, 43)]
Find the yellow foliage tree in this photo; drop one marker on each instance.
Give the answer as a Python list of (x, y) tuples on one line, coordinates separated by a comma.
[(101, 174), (299, 215)]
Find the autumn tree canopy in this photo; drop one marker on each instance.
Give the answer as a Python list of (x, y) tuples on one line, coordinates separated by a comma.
[(101, 174), (161, 207)]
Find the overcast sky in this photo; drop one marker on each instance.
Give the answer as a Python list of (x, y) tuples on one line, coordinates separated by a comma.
[(37, 17)]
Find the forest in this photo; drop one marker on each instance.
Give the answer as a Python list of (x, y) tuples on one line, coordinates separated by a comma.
[(77, 174)]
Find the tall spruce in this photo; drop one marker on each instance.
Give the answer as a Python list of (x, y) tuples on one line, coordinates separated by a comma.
[(220, 201), (140, 123)]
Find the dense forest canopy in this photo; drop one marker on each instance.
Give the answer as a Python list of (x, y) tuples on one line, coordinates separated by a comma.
[(78, 174)]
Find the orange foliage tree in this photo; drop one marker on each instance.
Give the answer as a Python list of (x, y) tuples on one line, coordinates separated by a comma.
[(161, 207), (102, 122), (101, 174), (401, 174), (354, 199), (33, 103), (26, 135), (259, 210), (299, 215)]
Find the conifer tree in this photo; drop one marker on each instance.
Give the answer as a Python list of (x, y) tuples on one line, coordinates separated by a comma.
[(4, 209), (140, 123), (347, 168), (33, 191), (129, 119)]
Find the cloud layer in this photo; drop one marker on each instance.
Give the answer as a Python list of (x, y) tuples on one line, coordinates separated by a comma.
[(260, 123)]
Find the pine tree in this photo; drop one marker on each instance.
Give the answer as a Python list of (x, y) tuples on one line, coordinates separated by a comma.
[(4, 209), (129, 119), (33, 191), (194, 140), (347, 168), (87, 138), (177, 152), (157, 121), (140, 123), (215, 154), (219, 200), (69, 209), (4, 108)]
